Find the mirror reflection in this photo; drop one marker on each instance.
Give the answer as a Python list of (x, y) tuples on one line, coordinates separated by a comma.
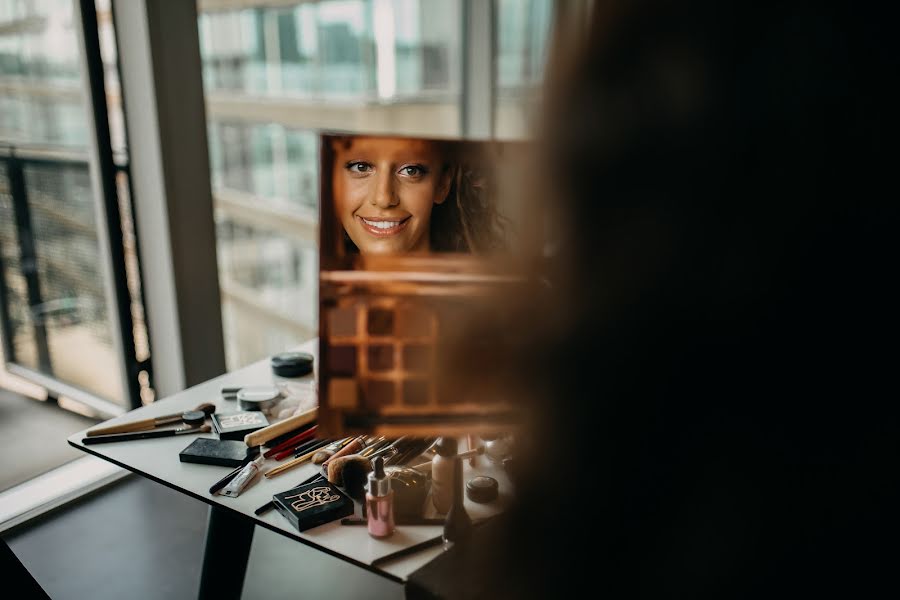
[(395, 196)]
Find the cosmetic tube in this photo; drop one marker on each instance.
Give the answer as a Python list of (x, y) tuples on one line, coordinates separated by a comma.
[(243, 478)]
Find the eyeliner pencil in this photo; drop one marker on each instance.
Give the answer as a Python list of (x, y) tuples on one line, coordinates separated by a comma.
[(293, 441), (224, 481), (302, 449), (407, 551)]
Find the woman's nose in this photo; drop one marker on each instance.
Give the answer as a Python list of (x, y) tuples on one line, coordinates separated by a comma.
[(384, 196)]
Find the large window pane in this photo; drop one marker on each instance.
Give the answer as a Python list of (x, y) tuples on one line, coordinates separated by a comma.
[(58, 320), (275, 76), (523, 32)]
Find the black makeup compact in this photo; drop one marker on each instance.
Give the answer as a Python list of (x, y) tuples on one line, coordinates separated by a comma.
[(482, 489), (292, 364)]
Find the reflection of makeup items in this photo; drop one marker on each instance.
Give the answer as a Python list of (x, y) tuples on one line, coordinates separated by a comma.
[(413, 448), (458, 526), (410, 490), (442, 473), (380, 502), (470, 440), (191, 417), (468, 454), (313, 504), (143, 435), (482, 489), (497, 447), (243, 478)]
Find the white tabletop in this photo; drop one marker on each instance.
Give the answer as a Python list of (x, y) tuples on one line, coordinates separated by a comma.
[(158, 460)]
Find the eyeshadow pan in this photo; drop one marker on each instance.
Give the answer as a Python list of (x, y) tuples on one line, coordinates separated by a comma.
[(416, 357), (413, 322), (381, 321), (379, 393), (381, 358), (415, 392), (343, 393), (342, 360), (342, 321)]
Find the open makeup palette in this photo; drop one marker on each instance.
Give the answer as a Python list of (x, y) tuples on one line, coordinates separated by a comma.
[(409, 341)]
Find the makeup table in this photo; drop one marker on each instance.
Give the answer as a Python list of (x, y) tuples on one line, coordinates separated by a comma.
[(232, 520)]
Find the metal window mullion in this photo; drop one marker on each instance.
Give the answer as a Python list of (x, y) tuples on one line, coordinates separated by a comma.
[(478, 68), (106, 202), (164, 107)]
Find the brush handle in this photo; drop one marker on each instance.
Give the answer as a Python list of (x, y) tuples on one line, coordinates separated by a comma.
[(351, 448), (141, 425), (125, 437), (261, 436)]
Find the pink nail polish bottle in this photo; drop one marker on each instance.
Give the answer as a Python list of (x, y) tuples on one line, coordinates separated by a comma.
[(380, 502)]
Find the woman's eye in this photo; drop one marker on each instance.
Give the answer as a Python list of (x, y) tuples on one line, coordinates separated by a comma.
[(412, 170), (359, 167)]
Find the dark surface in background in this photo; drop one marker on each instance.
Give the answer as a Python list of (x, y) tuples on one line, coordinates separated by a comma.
[(132, 539), (33, 435), (719, 415)]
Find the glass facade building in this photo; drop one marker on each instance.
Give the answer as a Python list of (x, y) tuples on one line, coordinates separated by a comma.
[(277, 74)]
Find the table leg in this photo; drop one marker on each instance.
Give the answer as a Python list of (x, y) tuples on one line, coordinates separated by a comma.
[(228, 539)]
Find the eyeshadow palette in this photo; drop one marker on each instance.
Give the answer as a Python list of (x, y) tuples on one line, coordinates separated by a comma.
[(234, 426), (313, 504), (399, 357)]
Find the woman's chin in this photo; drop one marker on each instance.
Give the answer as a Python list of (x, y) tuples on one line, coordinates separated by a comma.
[(387, 246)]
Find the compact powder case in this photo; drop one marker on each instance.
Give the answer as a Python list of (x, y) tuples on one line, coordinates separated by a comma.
[(258, 398), (292, 364), (482, 489)]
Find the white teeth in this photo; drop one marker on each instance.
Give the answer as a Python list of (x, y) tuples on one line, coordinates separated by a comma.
[(381, 224)]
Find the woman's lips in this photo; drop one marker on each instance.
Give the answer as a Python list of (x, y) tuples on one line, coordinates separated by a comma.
[(381, 227)]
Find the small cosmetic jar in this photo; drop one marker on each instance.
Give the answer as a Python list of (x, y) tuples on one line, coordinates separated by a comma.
[(258, 398), (482, 489), (292, 364)]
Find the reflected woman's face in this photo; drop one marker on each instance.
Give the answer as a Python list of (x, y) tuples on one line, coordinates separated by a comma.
[(384, 190)]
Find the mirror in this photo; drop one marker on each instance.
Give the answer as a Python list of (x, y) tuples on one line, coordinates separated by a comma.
[(418, 239)]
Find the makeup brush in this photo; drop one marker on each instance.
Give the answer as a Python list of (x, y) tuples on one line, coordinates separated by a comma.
[(351, 473), (146, 424), (461, 456), (143, 435), (337, 467), (325, 453), (351, 448)]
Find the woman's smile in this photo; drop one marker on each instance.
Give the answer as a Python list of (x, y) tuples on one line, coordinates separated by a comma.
[(383, 227)]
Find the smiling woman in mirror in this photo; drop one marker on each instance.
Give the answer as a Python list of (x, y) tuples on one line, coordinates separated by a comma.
[(402, 196)]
